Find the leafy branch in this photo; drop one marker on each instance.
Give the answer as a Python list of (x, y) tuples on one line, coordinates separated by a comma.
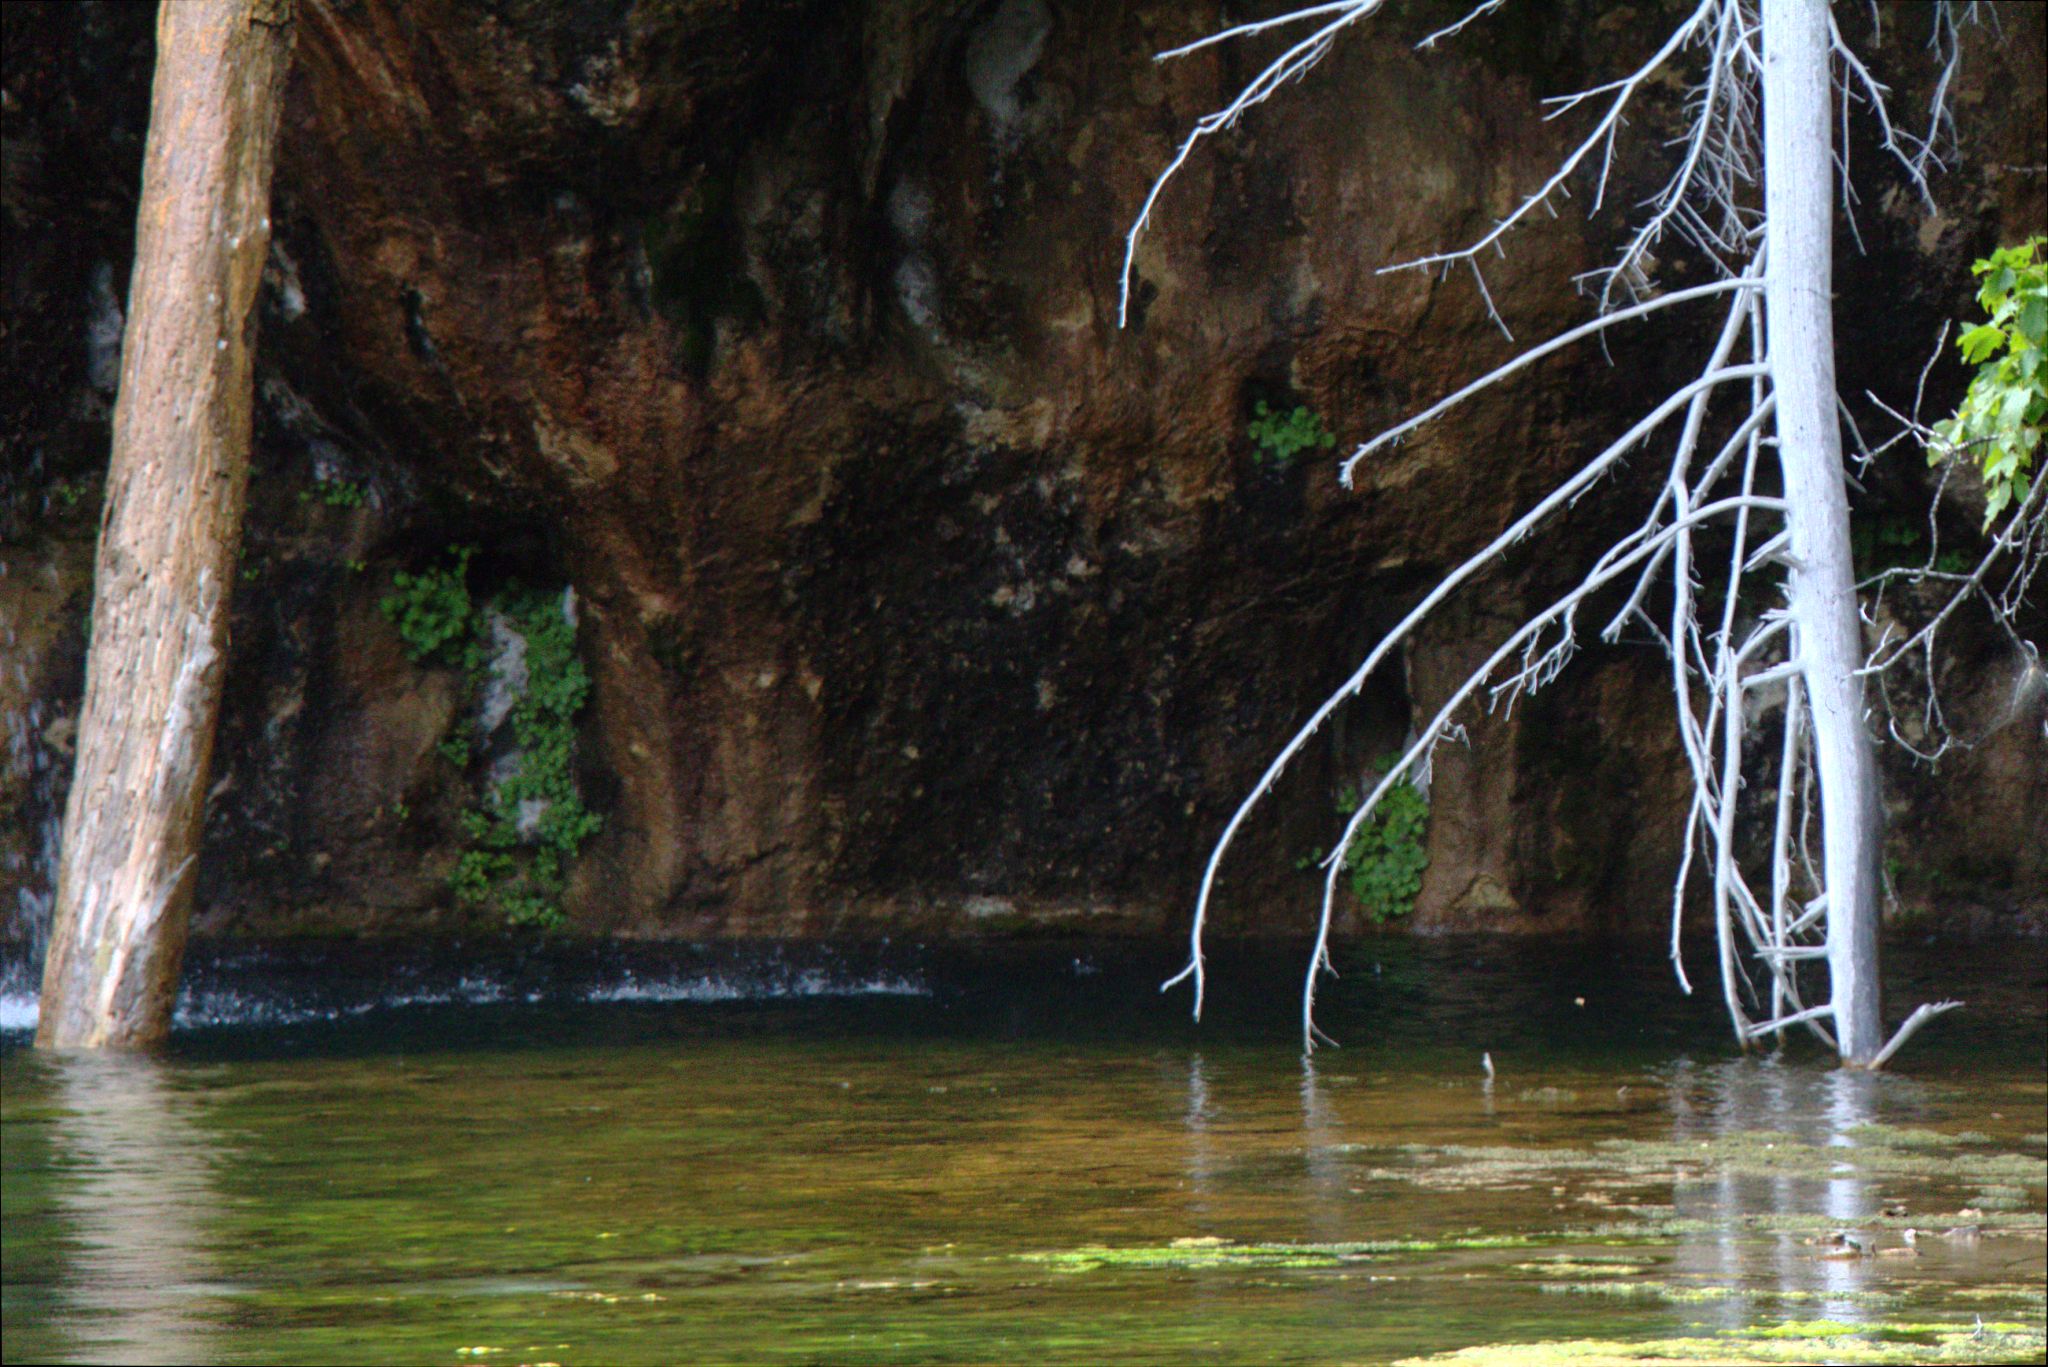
[(2000, 420)]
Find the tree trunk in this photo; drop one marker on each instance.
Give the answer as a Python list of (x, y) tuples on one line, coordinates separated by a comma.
[(167, 547), (1799, 216)]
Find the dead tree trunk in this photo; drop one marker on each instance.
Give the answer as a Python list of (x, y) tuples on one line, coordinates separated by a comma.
[(1799, 235), (175, 492), (1783, 254)]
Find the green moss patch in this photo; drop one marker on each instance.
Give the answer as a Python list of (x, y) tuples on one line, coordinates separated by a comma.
[(530, 822)]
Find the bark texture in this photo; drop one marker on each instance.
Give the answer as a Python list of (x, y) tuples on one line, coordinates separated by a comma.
[(175, 495), (1799, 209)]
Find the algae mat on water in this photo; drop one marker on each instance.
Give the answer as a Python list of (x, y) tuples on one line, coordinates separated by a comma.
[(1793, 1342), (1969, 1204), (1775, 1341), (1209, 1251), (1867, 1152)]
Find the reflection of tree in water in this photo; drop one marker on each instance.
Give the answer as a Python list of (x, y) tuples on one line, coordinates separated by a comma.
[(1330, 1172), (1202, 1161), (135, 1200), (1820, 1108)]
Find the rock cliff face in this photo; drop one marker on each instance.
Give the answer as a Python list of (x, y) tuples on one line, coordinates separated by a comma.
[(913, 592)]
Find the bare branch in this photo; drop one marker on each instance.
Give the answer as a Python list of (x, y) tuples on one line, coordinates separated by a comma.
[(1762, 1028), (1558, 498), (1290, 65), (1603, 134), (1485, 7), (1355, 9), (1721, 144), (1924, 1013), (2018, 535), (1436, 727), (1525, 359)]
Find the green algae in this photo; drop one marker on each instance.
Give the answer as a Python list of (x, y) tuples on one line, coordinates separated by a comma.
[(1653, 1227), (1876, 1153), (1661, 1291), (1673, 1293), (1571, 1265), (1548, 1096), (1806, 1329), (1878, 1135), (2026, 1295), (1898, 1329), (1789, 1342), (1195, 1254), (1999, 1196)]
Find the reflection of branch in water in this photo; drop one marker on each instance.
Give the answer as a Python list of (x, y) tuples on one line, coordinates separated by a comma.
[(1202, 1162), (136, 1202), (1329, 1174)]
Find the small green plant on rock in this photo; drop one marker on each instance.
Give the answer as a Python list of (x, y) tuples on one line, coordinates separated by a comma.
[(1383, 864), (432, 610), (538, 806), (335, 493), (1890, 541), (529, 825), (1278, 438)]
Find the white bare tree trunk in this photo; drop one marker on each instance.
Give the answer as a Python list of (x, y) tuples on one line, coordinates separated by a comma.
[(1799, 219)]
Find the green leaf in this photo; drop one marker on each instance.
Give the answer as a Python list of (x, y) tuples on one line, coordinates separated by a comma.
[(1998, 424), (2012, 408), (1980, 342), (1994, 502)]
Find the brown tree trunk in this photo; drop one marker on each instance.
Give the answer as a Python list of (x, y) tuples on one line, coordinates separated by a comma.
[(167, 547)]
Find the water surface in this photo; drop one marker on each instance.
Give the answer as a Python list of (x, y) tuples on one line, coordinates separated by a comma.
[(886, 1154)]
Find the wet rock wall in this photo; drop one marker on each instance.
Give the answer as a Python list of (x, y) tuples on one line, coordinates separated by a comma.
[(916, 594)]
